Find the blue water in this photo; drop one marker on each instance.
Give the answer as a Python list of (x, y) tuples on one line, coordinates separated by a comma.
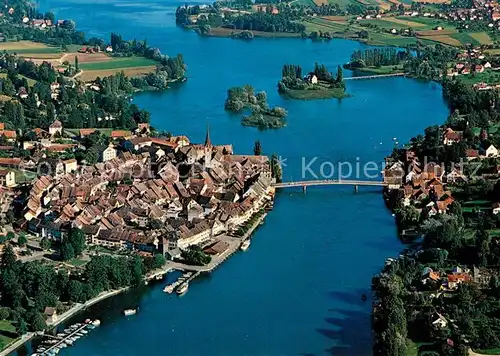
[(297, 290)]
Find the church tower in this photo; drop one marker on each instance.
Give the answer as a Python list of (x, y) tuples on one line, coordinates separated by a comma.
[(208, 149)]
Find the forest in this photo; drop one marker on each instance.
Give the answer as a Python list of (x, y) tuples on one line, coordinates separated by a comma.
[(377, 57)]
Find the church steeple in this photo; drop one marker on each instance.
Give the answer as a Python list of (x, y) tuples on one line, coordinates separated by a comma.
[(208, 143)]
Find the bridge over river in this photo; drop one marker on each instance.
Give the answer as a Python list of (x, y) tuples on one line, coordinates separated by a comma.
[(376, 76), (308, 183)]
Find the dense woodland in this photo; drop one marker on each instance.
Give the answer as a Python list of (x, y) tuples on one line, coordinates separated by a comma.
[(377, 57)]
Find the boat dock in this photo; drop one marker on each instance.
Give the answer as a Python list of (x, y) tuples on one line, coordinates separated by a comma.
[(63, 341), (187, 277)]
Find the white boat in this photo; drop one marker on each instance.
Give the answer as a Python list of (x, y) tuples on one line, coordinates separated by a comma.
[(183, 288), (84, 331), (245, 245), (129, 312), (96, 322)]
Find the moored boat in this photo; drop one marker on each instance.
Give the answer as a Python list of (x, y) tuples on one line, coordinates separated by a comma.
[(245, 245), (96, 322), (183, 288), (129, 312)]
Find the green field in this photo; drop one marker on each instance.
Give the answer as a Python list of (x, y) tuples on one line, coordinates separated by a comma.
[(117, 63), (428, 21), (48, 50), (481, 37), (77, 262), (390, 40), (465, 38), (31, 82), (7, 332), (488, 77)]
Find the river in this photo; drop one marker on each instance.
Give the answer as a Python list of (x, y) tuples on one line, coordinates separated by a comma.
[(297, 291)]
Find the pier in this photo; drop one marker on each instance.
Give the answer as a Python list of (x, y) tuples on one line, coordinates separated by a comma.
[(376, 76), (64, 339)]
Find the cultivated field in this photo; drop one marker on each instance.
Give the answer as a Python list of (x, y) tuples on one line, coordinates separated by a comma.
[(435, 33), (115, 63), (404, 22), (444, 39), (321, 2), (339, 19), (90, 75), (29, 47), (481, 37)]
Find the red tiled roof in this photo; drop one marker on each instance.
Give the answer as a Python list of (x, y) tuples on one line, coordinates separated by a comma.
[(8, 133), (10, 161), (160, 142), (120, 133), (472, 153), (86, 132)]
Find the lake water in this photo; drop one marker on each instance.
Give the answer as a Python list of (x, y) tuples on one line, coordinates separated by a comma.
[(297, 291)]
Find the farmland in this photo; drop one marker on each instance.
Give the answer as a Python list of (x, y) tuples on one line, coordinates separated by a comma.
[(444, 39), (91, 75), (481, 37), (92, 65), (116, 63), (25, 47)]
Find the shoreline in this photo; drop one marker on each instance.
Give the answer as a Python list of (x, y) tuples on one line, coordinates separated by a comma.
[(79, 307)]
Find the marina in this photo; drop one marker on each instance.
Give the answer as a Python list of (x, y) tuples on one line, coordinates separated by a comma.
[(185, 278), (53, 344)]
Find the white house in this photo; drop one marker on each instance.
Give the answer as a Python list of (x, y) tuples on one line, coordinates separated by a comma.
[(108, 154), (7, 178), (55, 127), (491, 151)]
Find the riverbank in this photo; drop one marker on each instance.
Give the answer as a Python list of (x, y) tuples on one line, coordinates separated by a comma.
[(234, 244), (229, 33), (75, 309)]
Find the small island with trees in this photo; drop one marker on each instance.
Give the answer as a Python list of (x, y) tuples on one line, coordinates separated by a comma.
[(262, 116), (318, 84)]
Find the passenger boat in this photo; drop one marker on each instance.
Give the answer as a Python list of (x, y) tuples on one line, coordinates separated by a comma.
[(129, 312), (96, 322), (245, 245), (183, 288)]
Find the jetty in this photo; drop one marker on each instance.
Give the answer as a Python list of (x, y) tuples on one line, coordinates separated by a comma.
[(187, 277), (63, 341)]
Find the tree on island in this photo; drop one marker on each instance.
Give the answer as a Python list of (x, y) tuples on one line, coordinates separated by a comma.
[(262, 116), (257, 148), (319, 80)]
